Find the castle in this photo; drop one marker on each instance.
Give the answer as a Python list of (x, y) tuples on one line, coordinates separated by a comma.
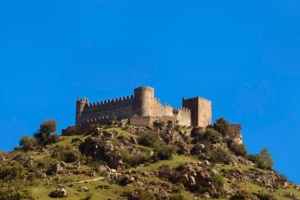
[(143, 109)]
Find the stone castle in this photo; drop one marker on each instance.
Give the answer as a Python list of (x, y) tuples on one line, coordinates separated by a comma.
[(143, 109)]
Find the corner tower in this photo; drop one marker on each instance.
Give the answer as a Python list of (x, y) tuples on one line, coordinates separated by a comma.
[(200, 110), (143, 100), (80, 104)]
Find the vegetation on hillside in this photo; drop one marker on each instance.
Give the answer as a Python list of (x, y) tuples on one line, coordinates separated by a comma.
[(162, 161)]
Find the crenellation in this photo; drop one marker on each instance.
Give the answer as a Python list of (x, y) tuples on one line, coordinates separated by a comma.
[(195, 111)]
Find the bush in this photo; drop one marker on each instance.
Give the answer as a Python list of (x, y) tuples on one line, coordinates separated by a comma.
[(220, 155), (262, 160), (222, 126), (10, 172), (218, 181), (241, 195), (264, 196), (197, 132), (238, 149), (26, 143), (148, 139), (177, 196), (70, 156), (12, 194), (164, 151), (212, 135)]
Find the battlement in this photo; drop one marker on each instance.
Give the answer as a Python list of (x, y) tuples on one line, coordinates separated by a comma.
[(195, 111), (110, 101)]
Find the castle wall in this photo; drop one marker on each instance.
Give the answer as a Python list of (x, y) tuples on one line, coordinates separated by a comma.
[(195, 111), (184, 117), (120, 108)]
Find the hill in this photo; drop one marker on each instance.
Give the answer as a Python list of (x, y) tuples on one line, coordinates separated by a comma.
[(120, 161)]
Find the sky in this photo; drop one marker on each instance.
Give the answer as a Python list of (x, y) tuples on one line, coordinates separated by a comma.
[(243, 55)]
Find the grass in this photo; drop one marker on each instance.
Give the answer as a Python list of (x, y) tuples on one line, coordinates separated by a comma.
[(179, 159)]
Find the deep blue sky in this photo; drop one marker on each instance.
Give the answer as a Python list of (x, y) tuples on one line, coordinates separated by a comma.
[(242, 55)]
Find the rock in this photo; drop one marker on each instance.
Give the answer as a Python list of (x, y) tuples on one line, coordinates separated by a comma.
[(58, 166), (84, 189), (124, 122), (127, 180), (192, 180), (133, 140), (117, 164), (285, 185), (197, 149), (234, 134), (58, 193), (102, 169), (108, 147), (163, 194), (151, 153), (206, 195), (206, 162), (108, 134), (215, 146), (214, 171), (40, 174)]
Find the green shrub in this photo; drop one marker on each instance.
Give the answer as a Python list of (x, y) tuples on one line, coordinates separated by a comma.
[(26, 143), (148, 139), (222, 126), (218, 181), (212, 135), (262, 160), (70, 156), (197, 132), (177, 196), (264, 196), (220, 155), (12, 194), (10, 172), (241, 195), (164, 151), (238, 149)]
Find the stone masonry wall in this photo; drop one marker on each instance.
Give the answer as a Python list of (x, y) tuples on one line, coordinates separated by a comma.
[(119, 108), (194, 112)]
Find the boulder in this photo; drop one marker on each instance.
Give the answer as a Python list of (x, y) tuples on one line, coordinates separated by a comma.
[(84, 189), (58, 193), (197, 149), (58, 166)]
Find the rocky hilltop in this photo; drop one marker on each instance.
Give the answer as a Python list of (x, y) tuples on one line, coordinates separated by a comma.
[(121, 161)]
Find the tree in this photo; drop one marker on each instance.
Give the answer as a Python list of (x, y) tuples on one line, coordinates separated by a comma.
[(26, 143), (44, 135), (262, 160), (238, 149), (48, 126), (221, 126)]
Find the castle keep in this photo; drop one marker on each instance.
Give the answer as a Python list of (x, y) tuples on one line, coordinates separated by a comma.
[(143, 108)]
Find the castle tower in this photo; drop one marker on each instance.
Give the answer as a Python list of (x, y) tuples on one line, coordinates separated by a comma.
[(200, 110), (143, 98), (80, 104)]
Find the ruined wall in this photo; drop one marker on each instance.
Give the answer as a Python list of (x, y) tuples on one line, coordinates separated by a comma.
[(141, 120), (184, 116), (120, 108)]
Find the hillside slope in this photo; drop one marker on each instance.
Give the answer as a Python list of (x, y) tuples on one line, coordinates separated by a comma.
[(119, 161)]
